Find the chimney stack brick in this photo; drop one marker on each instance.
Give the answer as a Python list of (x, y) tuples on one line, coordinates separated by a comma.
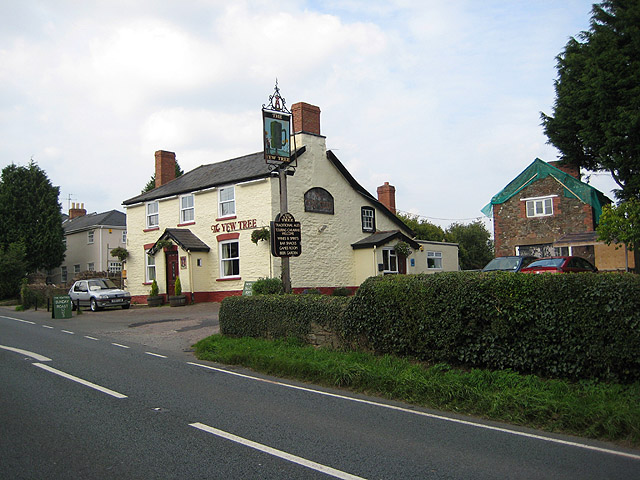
[(165, 167), (571, 169), (77, 210), (306, 118), (387, 196)]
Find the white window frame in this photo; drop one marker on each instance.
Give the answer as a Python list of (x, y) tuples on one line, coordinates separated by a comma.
[(228, 204), (391, 258), (124, 237), (188, 212), (149, 268), (152, 214), (76, 269), (63, 274), (91, 267), (90, 236), (115, 267), (368, 218), (224, 260), (436, 258), (539, 206)]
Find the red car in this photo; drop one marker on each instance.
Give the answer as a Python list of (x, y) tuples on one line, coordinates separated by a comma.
[(560, 265)]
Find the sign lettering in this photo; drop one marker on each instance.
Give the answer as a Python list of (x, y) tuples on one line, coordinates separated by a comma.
[(286, 235), (234, 226)]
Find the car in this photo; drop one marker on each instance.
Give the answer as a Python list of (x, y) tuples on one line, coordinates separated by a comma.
[(567, 264), (512, 263), (98, 293)]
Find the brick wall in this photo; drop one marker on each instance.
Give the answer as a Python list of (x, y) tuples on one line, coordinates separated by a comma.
[(512, 227)]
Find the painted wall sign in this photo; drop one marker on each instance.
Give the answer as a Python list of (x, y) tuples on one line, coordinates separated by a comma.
[(286, 236), (235, 225), (318, 200), (277, 137)]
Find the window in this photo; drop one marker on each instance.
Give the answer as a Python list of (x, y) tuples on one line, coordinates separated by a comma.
[(152, 215), (64, 242), (91, 267), (115, 267), (150, 268), (389, 260), (76, 269), (368, 219), (90, 236), (229, 259), (227, 202), (318, 200), (124, 237), (187, 212), (434, 260), (539, 207), (63, 273)]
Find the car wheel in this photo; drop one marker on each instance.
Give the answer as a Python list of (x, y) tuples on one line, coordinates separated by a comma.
[(125, 307), (94, 305)]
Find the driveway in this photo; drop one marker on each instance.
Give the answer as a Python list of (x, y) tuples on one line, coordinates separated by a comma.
[(172, 329)]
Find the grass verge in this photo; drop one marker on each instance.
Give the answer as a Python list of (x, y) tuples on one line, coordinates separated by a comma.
[(596, 410)]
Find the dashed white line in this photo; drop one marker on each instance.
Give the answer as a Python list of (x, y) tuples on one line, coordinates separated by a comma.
[(47, 326), (277, 453), (68, 332), (155, 354), (118, 345), (90, 338), (80, 380)]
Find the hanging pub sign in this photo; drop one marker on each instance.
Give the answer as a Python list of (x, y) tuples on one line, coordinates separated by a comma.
[(286, 236), (277, 139)]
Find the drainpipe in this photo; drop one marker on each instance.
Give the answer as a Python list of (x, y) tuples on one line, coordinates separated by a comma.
[(189, 264), (375, 261)]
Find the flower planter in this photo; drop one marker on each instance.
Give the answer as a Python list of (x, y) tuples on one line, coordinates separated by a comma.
[(178, 300), (154, 301)]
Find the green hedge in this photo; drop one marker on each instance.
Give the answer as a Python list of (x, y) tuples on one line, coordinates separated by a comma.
[(565, 326), (280, 316)]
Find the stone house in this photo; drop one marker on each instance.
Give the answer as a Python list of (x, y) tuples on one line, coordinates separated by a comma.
[(208, 216)]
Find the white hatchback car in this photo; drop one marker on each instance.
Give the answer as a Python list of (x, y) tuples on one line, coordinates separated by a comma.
[(98, 293)]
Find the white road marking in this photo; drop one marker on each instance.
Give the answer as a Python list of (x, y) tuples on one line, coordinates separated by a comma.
[(430, 415), (155, 354), (18, 320), (80, 380), (121, 346), (277, 453), (35, 356), (90, 338), (67, 331), (47, 326)]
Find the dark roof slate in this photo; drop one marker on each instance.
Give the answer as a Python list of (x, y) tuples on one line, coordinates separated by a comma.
[(112, 218), (380, 238), (184, 238)]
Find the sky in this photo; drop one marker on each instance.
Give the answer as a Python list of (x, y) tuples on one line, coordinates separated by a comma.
[(440, 99)]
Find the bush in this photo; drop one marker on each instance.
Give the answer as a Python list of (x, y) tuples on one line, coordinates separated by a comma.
[(268, 286), (37, 295), (178, 287), (341, 292), (154, 289), (280, 316), (14, 268), (311, 291), (579, 326)]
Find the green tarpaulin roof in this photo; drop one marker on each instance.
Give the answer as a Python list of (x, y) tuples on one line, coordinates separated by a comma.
[(539, 169)]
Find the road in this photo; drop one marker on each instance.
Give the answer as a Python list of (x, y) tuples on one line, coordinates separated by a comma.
[(92, 398)]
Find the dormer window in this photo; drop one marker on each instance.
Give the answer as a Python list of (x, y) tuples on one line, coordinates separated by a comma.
[(539, 206)]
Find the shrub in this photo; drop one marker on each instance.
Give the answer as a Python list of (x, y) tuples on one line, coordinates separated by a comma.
[(578, 326), (13, 266), (311, 291), (341, 292), (178, 287), (268, 286), (154, 289)]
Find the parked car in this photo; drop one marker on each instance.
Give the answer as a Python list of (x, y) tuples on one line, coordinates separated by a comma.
[(569, 264), (98, 293), (509, 263)]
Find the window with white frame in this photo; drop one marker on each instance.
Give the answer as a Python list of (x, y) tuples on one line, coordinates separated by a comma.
[(187, 210), (226, 202), (539, 207), (152, 215), (91, 267), (64, 242), (63, 274), (229, 259), (434, 260), (389, 260), (124, 237), (90, 234), (150, 267), (368, 219), (115, 267), (76, 269)]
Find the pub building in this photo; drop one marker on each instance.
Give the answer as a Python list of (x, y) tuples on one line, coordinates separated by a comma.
[(199, 226)]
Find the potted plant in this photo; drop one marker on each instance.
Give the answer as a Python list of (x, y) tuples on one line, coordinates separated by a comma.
[(261, 234), (178, 300), (403, 249), (154, 299)]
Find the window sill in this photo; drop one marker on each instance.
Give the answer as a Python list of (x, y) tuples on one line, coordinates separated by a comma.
[(151, 229), (185, 224), (227, 279), (230, 217)]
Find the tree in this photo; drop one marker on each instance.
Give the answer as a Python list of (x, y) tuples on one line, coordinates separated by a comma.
[(151, 184), (621, 224), (31, 214), (596, 114), (475, 246), (13, 268), (422, 228)]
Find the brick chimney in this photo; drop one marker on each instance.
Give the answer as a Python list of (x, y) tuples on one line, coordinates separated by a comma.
[(306, 118), (573, 170), (77, 210), (165, 167), (387, 196)]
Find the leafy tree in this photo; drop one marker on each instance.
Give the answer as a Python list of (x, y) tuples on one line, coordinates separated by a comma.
[(475, 245), (13, 268), (424, 230), (30, 214), (621, 224), (596, 115), (151, 184)]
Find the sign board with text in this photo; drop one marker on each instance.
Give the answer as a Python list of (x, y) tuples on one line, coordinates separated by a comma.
[(286, 236), (61, 307)]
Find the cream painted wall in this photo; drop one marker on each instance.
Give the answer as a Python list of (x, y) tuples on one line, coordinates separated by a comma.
[(81, 252)]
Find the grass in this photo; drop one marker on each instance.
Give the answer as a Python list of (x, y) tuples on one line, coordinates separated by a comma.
[(596, 410)]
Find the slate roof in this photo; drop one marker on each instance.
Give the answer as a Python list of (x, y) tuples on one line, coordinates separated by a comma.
[(184, 238), (112, 218), (581, 238), (380, 238)]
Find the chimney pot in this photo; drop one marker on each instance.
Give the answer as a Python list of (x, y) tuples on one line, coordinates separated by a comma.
[(165, 167), (76, 210)]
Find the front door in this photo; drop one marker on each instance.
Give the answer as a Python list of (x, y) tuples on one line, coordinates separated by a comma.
[(402, 264), (172, 271)]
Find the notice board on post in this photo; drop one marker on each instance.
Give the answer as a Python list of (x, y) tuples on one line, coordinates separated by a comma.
[(61, 307), (286, 236)]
